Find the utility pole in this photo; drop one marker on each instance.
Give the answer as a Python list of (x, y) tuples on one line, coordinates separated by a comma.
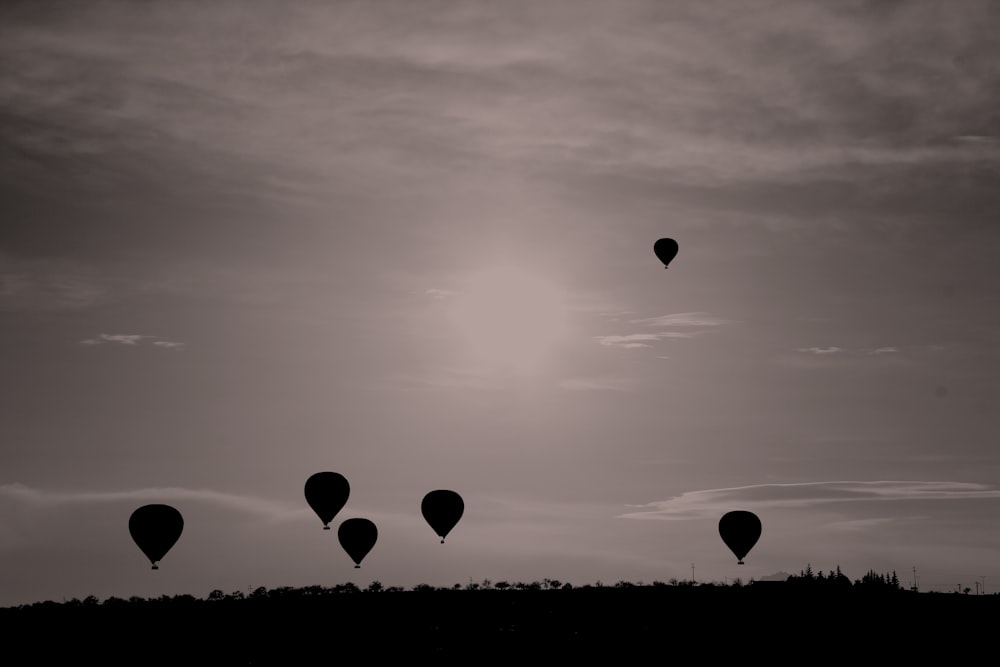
[(692, 573), (914, 589)]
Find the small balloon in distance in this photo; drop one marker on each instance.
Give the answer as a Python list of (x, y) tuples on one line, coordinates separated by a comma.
[(357, 537), (155, 529), (740, 530), (666, 250), (442, 509)]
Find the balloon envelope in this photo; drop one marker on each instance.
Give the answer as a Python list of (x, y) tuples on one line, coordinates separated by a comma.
[(155, 529), (326, 493), (666, 250), (357, 536), (740, 530), (442, 509)]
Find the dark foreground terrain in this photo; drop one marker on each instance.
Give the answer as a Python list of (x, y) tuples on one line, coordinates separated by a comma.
[(774, 624)]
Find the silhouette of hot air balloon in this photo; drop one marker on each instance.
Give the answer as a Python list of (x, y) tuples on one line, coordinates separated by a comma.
[(666, 250), (357, 536), (740, 530), (326, 493), (442, 509), (155, 529)]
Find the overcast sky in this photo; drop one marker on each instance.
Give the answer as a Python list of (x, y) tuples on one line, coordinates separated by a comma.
[(411, 242)]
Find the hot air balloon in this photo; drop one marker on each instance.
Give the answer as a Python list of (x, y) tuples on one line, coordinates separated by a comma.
[(740, 530), (155, 529), (442, 509), (326, 493), (666, 250), (357, 536)]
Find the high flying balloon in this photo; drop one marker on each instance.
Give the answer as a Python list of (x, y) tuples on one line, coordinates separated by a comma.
[(155, 529), (666, 250), (442, 509), (357, 537), (740, 530), (327, 493)]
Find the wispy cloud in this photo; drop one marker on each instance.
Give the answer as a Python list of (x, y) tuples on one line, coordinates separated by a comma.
[(262, 507), (833, 349), (695, 319), (169, 344), (834, 356), (715, 502), (628, 341), (820, 350), (131, 339), (123, 339), (697, 323)]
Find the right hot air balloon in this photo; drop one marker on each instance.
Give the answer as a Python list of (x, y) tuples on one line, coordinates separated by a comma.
[(740, 530), (442, 509)]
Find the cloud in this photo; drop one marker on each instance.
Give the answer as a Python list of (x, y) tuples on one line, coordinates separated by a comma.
[(715, 502), (641, 340), (833, 349), (835, 356), (629, 341), (695, 319), (124, 339), (169, 344), (131, 339), (637, 340), (820, 350), (262, 507)]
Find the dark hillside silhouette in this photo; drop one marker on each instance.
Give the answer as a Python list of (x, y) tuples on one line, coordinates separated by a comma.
[(775, 621)]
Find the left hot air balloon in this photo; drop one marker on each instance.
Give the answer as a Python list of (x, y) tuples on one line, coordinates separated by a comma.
[(155, 529), (357, 537), (326, 493)]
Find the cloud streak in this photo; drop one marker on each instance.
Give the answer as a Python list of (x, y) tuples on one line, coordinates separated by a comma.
[(260, 507), (695, 319), (699, 323), (715, 502), (131, 340)]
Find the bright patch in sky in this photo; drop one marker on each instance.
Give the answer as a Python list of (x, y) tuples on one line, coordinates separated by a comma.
[(509, 320)]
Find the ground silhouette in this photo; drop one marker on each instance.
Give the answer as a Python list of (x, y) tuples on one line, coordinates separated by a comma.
[(804, 618)]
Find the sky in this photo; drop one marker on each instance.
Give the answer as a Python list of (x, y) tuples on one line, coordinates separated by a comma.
[(411, 242)]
